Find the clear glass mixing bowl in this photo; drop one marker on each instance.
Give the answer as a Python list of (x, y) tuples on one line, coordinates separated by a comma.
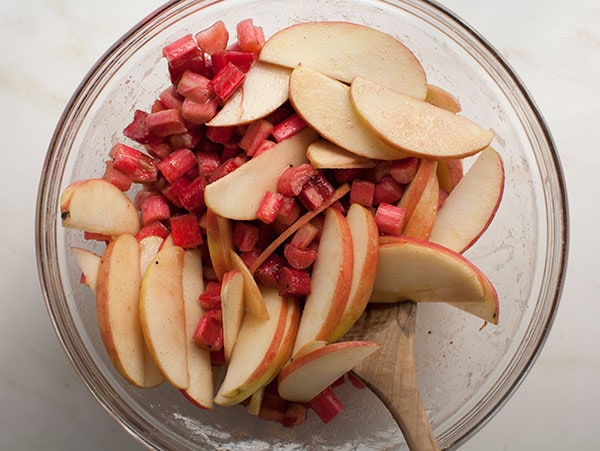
[(465, 374)]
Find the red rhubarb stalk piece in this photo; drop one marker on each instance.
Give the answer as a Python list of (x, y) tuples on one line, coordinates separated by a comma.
[(156, 228), (255, 135), (250, 37), (165, 123), (362, 192), (292, 180), (288, 127), (210, 298), (293, 282), (326, 405), (390, 219), (186, 231), (387, 190), (209, 332), (404, 170), (214, 38), (177, 164), (269, 207), (226, 81), (155, 208), (245, 236)]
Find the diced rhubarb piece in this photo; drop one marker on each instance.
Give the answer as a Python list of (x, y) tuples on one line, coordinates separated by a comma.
[(199, 112), (192, 195), (256, 133), (142, 195), (217, 358), (295, 415), (220, 135), (157, 106), (347, 175), (362, 192), (404, 170), (138, 130), (186, 231), (390, 219), (171, 99), (355, 381), (165, 123), (172, 190), (209, 332), (289, 211), (242, 60), (125, 158), (381, 170), (245, 236), (207, 163), (280, 114), (159, 149), (315, 192), (177, 164), (388, 191), (226, 81), (214, 38), (120, 179), (292, 180), (228, 166), (210, 298), (155, 208), (305, 235), (293, 282), (190, 81), (273, 407), (156, 228), (299, 258), (269, 207), (266, 145), (197, 64), (326, 405), (267, 274), (94, 236), (146, 171), (250, 38), (180, 50), (339, 381), (288, 127), (250, 256), (231, 150)]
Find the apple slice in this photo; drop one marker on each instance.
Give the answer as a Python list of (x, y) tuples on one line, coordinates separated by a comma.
[(365, 245), (162, 314), (449, 173), (219, 239), (149, 247), (426, 171), (117, 307), (309, 347), (421, 221), (253, 297), (415, 270), (201, 387), (325, 105), (472, 204), (264, 90), (98, 206), (308, 375), (256, 348), (89, 263), (323, 154), (239, 194), (415, 126), (330, 282), (232, 306), (442, 99), (344, 50)]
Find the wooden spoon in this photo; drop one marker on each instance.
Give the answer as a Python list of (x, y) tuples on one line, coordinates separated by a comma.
[(391, 372)]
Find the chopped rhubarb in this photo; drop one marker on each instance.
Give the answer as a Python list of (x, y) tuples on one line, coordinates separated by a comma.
[(171, 99), (242, 60), (355, 381), (256, 134), (267, 274), (156, 228), (231, 150), (305, 235), (210, 298), (199, 112), (192, 195), (404, 170), (229, 165), (209, 332), (142, 195), (269, 207), (138, 130), (288, 127), (146, 170), (245, 236), (120, 179), (125, 158), (299, 258), (266, 145), (221, 135), (213, 39), (315, 192), (165, 123), (155, 208), (347, 175), (186, 231), (381, 169), (390, 219), (273, 407), (326, 405), (226, 81), (190, 82), (388, 191), (250, 38), (180, 50), (362, 192), (159, 150), (292, 180), (173, 190), (177, 164), (293, 282), (295, 415), (217, 358), (289, 211)]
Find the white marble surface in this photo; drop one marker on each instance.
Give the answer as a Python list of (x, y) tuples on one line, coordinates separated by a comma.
[(47, 47)]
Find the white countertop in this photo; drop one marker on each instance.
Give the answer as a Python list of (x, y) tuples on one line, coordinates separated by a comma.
[(48, 46)]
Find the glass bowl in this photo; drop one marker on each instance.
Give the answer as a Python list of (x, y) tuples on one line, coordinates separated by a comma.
[(465, 374)]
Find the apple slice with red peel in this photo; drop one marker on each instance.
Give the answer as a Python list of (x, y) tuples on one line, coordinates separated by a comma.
[(365, 248), (89, 263), (310, 346), (489, 310), (324, 104), (253, 297), (421, 221), (162, 315), (330, 282), (200, 390), (414, 126), (308, 375), (344, 50), (472, 204), (232, 306), (425, 172), (449, 173), (219, 239), (326, 155), (117, 308), (256, 349), (149, 247), (98, 206), (442, 99), (239, 194), (264, 90)]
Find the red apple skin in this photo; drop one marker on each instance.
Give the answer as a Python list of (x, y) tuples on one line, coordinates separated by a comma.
[(410, 199), (422, 219)]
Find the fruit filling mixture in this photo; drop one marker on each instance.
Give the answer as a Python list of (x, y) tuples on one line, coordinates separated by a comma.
[(281, 185)]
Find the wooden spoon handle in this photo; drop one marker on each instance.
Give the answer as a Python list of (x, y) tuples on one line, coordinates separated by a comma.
[(391, 372)]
